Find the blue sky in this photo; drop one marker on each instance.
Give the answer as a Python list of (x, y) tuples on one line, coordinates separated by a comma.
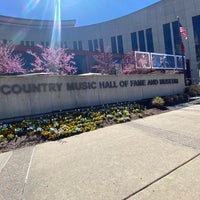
[(85, 12)]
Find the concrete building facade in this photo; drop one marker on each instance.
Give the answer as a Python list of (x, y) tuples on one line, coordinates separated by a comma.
[(152, 29)]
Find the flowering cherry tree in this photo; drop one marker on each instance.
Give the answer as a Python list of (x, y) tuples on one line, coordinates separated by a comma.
[(128, 63), (52, 60), (105, 64), (10, 62)]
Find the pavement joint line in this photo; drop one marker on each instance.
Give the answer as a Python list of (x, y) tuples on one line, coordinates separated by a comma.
[(29, 166), (161, 177), (168, 135), (28, 170), (13, 175), (6, 161)]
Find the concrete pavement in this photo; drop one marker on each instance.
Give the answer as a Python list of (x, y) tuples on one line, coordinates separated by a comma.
[(152, 158)]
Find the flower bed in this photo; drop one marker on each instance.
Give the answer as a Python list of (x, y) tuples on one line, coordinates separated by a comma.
[(65, 124)]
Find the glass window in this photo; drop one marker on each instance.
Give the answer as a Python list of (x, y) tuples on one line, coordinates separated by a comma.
[(47, 44), (22, 43), (167, 38), (80, 46), (65, 44), (113, 44), (134, 41), (149, 36), (96, 47), (120, 44), (177, 38), (32, 43), (196, 29), (90, 45), (142, 41), (101, 45), (75, 45)]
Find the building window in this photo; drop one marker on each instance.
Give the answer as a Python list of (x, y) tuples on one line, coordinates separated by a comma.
[(75, 45), (65, 44), (32, 43), (167, 38), (90, 45), (96, 47), (101, 45), (4, 41), (113, 44), (177, 38), (142, 41), (149, 37), (47, 44), (22, 43), (196, 29), (134, 41), (120, 44), (27, 43), (80, 46), (42, 43)]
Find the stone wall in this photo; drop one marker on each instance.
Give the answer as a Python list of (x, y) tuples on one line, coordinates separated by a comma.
[(40, 93)]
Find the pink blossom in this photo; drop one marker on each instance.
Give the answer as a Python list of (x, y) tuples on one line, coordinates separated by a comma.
[(128, 63), (9, 61), (51, 60), (105, 64)]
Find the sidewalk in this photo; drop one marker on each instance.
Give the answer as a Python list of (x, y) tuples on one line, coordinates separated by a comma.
[(154, 158)]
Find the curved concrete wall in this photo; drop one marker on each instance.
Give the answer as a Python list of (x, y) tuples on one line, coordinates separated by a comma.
[(36, 94), (154, 16)]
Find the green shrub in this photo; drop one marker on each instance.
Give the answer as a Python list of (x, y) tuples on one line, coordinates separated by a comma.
[(169, 100), (182, 98), (140, 115), (158, 102), (193, 90), (1, 138), (10, 136), (136, 110), (176, 98)]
